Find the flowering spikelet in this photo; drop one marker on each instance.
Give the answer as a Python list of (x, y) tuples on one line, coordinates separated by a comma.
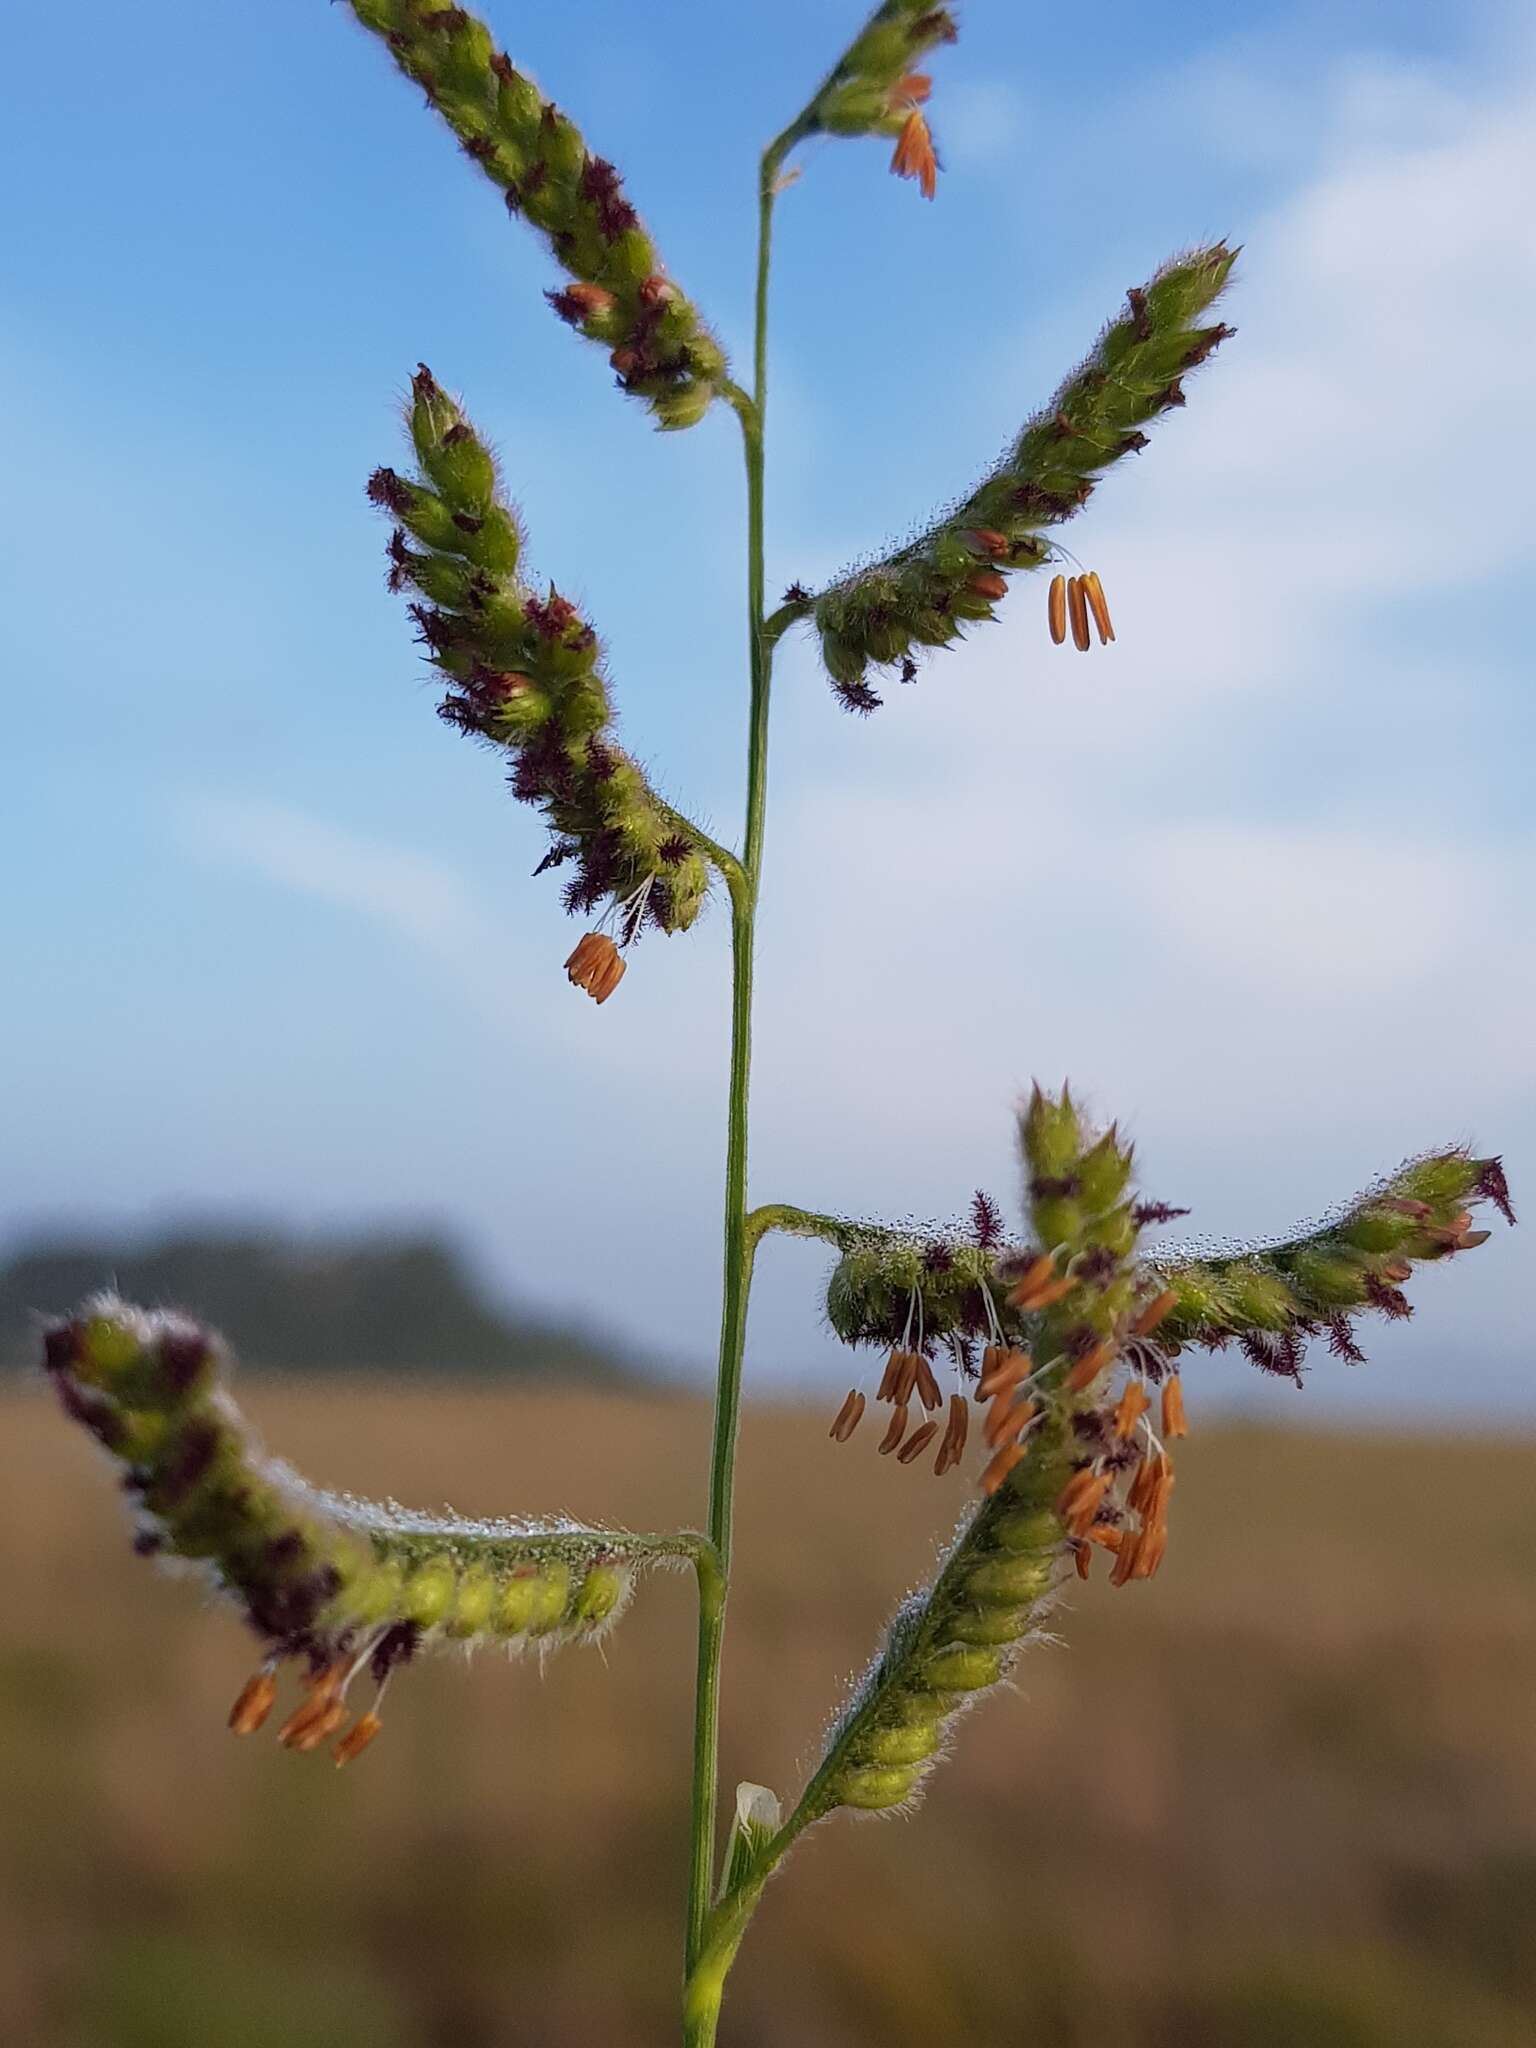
[(1090, 1475), (953, 1641), (525, 672), (876, 89), (1272, 1299), (1275, 1297), (620, 296), (927, 591), (337, 1586)]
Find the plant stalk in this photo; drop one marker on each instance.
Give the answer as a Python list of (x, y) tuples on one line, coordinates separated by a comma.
[(702, 2002)]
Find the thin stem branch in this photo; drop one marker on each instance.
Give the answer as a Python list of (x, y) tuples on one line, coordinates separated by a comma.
[(724, 862), (792, 1222)]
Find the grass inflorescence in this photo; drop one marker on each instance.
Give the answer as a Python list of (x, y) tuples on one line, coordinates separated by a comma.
[(1045, 1375), (337, 1587)]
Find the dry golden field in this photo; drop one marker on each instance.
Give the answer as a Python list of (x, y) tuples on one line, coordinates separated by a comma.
[(1284, 1795)]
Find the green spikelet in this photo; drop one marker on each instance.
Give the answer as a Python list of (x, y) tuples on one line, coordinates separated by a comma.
[(956, 572), (1273, 1297), (322, 1579), (619, 295), (864, 93), (526, 673), (958, 1638)]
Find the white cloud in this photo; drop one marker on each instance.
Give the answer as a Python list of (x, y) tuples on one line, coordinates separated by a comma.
[(1320, 911)]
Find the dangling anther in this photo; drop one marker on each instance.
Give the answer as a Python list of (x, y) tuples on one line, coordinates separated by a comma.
[(1125, 1560), (895, 1430), (1174, 1422), (1086, 1369), (314, 1724), (927, 1386), (906, 1377), (255, 1702), (1130, 1408), (1056, 609), (1093, 591), (1048, 1295), (1154, 1476), (1081, 1498), (1040, 1269), (597, 965), (1077, 610), (320, 1712), (1146, 1320), (917, 1443), (357, 1738), (1150, 1550), (955, 1433), (1003, 1462), (1006, 1370), (848, 1417), (989, 1359), (1007, 1419)]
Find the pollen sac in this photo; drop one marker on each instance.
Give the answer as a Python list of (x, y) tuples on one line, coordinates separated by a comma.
[(619, 295), (929, 590), (523, 670)]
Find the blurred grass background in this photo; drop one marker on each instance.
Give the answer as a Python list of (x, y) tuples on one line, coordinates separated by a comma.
[(1286, 1794)]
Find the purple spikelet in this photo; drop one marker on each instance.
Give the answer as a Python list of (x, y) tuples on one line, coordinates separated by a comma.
[(986, 1221)]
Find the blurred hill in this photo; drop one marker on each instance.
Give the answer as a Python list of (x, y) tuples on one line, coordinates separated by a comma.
[(296, 1305)]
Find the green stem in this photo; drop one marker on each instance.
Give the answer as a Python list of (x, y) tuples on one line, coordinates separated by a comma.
[(704, 1996), (706, 1971)]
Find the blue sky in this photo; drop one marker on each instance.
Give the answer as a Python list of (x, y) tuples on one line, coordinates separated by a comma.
[(1258, 877)]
